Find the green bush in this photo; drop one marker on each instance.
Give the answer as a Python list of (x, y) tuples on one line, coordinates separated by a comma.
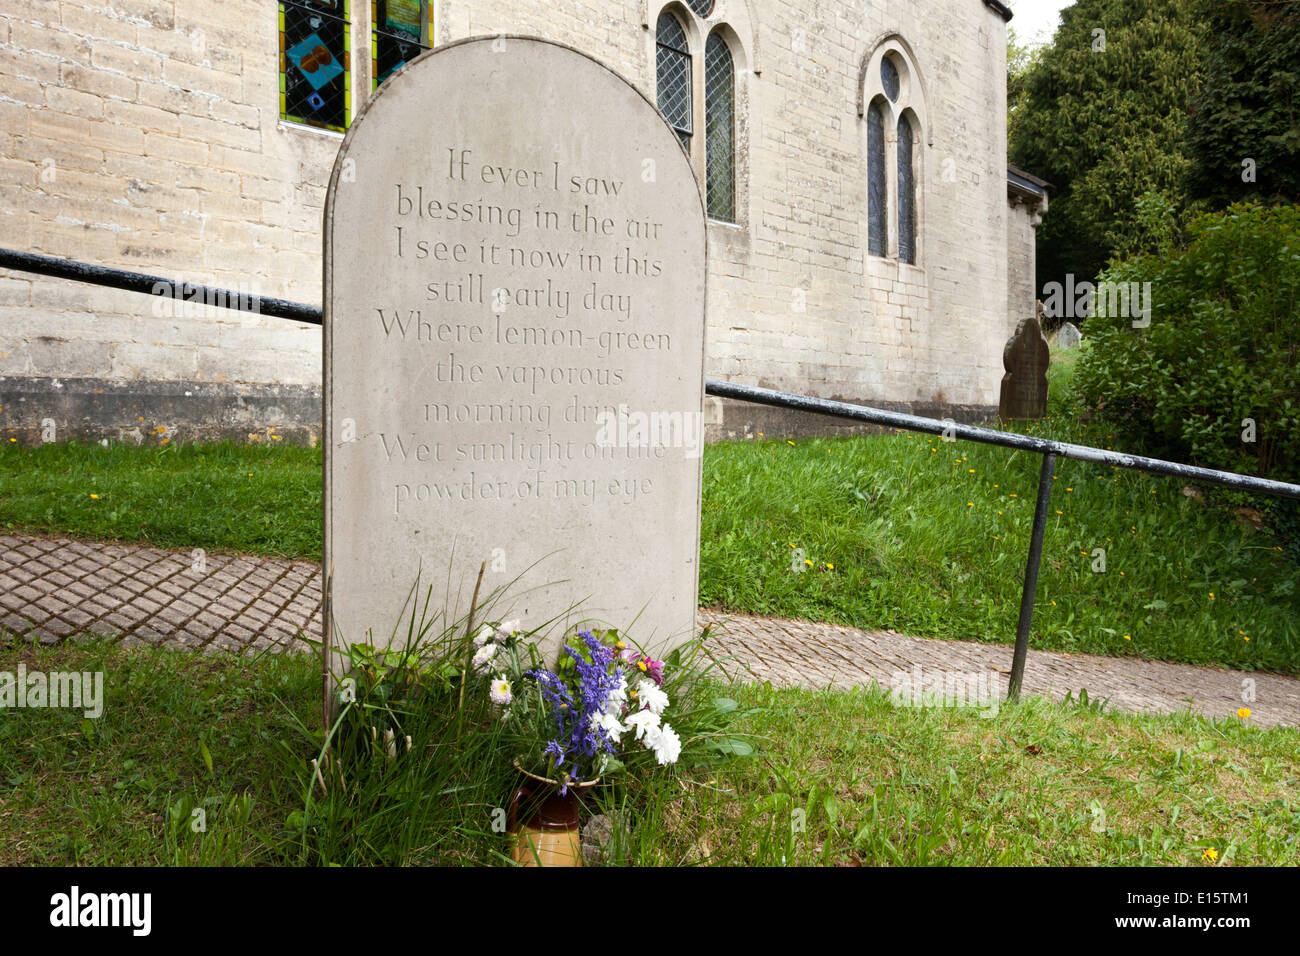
[(1222, 346)]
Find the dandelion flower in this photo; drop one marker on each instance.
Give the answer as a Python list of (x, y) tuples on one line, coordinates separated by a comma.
[(95, 497), (1243, 712), (1210, 854)]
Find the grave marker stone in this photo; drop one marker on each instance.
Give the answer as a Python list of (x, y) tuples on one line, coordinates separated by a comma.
[(1024, 386), (514, 319), (1068, 336)]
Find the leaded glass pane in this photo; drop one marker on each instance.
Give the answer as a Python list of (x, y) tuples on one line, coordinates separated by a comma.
[(906, 194), (701, 7), (720, 129), (400, 33), (877, 230), (673, 76), (889, 78), (314, 68)]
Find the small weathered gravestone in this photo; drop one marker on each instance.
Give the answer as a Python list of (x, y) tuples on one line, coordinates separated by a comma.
[(1068, 336), (514, 339), (1024, 386)]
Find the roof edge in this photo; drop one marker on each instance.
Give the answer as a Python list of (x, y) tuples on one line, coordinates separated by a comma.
[(1003, 10)]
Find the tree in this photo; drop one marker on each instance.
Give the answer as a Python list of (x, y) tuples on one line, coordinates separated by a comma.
[(1021, 57), (1243, 131), (1104, 120)]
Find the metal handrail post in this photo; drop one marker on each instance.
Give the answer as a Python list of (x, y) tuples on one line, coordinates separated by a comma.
[(1032, 565)]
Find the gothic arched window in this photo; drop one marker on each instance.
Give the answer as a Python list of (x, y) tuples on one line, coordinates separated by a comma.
[(906, 194), (877, 180), (673, 76), (720, 129), (892, 101)]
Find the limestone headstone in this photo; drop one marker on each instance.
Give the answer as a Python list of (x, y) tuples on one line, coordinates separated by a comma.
[(1068, 336), (514, 343), (1024, 386)]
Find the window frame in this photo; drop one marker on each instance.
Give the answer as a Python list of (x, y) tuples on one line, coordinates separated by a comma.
[(907, 105), (684, 135), (425, 41), (717, 36), (344, 19)]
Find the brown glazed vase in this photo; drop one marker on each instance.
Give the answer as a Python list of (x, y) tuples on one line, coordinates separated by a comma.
[(545, 827)]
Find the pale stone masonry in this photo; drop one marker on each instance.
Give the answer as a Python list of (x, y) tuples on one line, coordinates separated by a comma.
[(147, 135)]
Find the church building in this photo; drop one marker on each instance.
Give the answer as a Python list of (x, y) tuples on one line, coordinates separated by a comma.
[(866, 239)]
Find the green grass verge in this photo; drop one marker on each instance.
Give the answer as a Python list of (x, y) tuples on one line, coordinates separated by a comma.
[(839, 778), (222, 497), (901, 531)]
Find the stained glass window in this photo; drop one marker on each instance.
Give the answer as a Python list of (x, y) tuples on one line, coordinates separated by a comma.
[(400, 30), (720, 129), (906, 194), (889, 78), (877, 228), (673, 76), (315, 67)]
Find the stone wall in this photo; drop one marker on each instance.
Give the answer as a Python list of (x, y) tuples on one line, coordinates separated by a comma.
[(146, 135)]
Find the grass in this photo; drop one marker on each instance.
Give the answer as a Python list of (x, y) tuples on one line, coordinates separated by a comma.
[(121, 789), (221, 497), (899, 531), (839, 778), (849, 779)]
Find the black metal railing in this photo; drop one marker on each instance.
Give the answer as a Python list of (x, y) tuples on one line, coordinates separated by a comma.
[(1048, 448)]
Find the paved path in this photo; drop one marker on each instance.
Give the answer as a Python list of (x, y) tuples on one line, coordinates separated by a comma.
[(52, 589)]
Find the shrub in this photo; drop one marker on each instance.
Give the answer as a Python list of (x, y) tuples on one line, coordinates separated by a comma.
[(1222, 346)]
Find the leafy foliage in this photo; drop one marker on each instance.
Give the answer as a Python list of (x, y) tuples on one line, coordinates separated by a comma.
[(1248, 107), (1103, 119), (1222, 346)]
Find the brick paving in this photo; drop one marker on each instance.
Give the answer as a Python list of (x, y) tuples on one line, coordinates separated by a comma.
[(52, 589)]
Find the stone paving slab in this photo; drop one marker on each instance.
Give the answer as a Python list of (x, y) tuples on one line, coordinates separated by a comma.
[(53, 588)]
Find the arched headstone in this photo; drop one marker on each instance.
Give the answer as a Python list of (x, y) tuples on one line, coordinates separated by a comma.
[(514, 318)]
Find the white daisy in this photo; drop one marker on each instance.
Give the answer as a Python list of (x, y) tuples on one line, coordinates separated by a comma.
[(500, 692), (485, 634), (665, 743), (612, 726), (651, 696), (640, 722), (508, 629), (617, 696), (483, 658)]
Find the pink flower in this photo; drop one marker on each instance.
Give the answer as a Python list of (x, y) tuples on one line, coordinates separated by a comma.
[(654, 668)]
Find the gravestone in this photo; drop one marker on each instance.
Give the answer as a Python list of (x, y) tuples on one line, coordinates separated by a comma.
[(1068, 336), (1024, 386), (514, 348)]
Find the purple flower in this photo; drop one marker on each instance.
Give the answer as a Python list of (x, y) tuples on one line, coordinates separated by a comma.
[(579, 738), (655, 669)]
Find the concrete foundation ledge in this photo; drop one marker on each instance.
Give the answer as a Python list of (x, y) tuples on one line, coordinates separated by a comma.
[(38, 410), (731, 420)]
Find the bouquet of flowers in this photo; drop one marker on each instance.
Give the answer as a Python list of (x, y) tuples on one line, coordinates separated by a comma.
[(601, 705)]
